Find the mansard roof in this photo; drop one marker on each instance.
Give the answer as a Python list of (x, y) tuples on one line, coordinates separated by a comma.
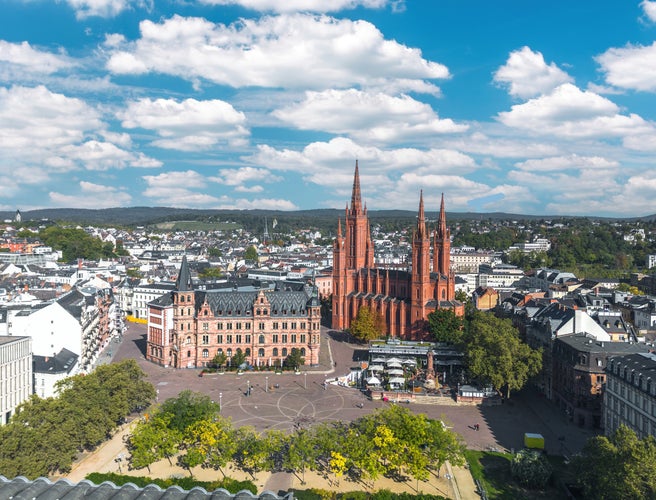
[(282, 303)]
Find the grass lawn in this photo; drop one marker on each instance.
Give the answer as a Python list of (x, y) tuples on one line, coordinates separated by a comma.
[(493, 471)]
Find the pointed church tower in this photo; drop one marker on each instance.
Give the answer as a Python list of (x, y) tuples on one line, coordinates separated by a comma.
[(442, 244), (421, 285), (184, 310), (357, 238)]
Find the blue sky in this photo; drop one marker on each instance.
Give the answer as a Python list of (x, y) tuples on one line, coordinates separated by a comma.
[(514, 106)]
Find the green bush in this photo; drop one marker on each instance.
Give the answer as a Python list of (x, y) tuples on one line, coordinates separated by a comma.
[(186, 483), (531, 469)]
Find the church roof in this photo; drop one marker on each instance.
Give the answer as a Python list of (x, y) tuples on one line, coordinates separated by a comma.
[(183, 283)]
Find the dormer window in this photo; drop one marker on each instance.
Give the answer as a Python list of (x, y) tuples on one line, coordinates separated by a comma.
[(182, 297)]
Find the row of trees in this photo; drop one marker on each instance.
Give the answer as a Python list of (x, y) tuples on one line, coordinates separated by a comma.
[(293, 361), (45, 435), (392, 441)]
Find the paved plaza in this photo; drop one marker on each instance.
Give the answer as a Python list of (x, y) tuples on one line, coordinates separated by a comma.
[(288, 401)]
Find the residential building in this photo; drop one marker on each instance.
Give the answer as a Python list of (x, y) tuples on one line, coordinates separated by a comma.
[(15, 374), (630, 394), (485, 298), (404, 298), (579, 373), (48, 370)]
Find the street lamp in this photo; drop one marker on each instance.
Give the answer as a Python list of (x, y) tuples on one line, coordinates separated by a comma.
[(267, 384), (305, 380), (248, 388), (220, 401)]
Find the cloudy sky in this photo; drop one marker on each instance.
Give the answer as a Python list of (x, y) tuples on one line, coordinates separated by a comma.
[(508, 105)]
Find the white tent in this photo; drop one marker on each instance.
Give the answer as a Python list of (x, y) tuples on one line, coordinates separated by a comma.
[(376, 368), (373, 381), (378, 360), (395, 372), (393, 360), (394, 365), (409, 362), (397, 380)]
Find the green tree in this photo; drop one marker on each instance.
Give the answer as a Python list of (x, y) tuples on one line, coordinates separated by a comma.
[(367, 325), (445, 326), (251, 253), (495, 354), (294, 359), (214, 252), (238, 358), (153, 440), (617, 466), (211, 273), (531, 469), (219, 360), (301, 453), (187, 408)]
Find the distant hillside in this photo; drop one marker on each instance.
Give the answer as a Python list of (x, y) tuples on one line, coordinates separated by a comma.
[(143, 216)]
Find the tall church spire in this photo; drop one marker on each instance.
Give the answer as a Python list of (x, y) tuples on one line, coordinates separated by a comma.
[(183, 283), (421, 218), (356, 196), (442, 220), (442, 244)]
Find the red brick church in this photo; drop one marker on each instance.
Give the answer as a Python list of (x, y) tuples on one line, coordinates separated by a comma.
[(404, 298)]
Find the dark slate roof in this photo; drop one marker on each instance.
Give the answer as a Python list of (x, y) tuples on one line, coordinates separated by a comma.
[(163, 301), (63, 362), (183, 283), (21, 488), (73, 302), (240, 304)]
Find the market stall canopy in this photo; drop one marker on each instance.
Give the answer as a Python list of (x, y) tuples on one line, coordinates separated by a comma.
[(394, 365), (376, 368), (373, 381), (393, 360), (395, 372), (397, 380)]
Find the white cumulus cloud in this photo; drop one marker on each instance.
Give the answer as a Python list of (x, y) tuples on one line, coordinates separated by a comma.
[(105, 8), (91, 195), (302, 5), (570, 162), (372, 116), (569, 112), (275, 51), (649, 9), (187, 125), (632, 67), (528, 75)]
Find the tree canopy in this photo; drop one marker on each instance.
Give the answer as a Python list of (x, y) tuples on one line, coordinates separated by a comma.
[(367, 325), (445, 326), (390, 441), (496, 355), (617, 466), (76, 243), (45, 435), (251, 253)]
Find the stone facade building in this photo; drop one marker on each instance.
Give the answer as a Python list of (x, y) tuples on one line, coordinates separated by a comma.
[(188, 327), (404, 298), (630, 394)]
